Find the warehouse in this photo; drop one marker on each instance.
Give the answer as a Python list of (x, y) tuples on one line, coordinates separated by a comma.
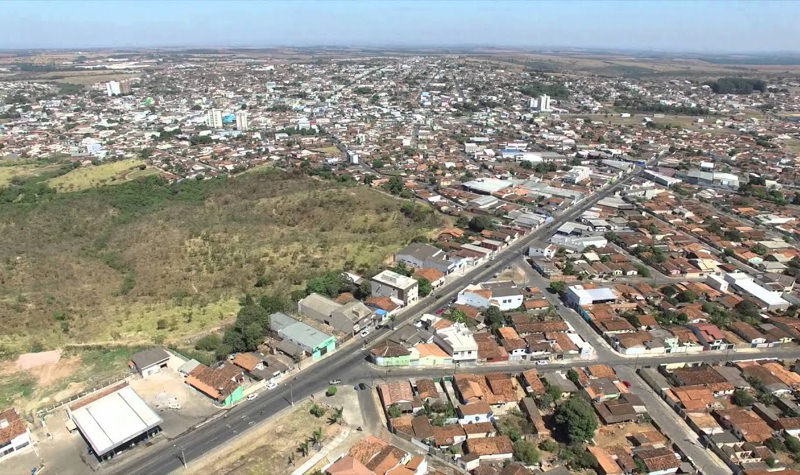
[(114, 419)]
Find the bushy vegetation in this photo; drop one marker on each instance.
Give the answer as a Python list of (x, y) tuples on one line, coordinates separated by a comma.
[(576, 420), (117, 259), (737, 85), (536, 89)]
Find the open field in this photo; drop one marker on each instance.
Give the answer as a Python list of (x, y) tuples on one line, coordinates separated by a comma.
[(268, 449), (14, 169), (145, 261), (96, 175)]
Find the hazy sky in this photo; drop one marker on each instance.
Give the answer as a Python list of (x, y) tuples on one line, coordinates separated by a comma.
[(692, 26)]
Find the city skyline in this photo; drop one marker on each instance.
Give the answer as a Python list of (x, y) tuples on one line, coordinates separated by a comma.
[(691, 27)]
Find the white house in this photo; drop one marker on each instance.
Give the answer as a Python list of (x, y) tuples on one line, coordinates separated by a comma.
[(392, 284), (458, 342), (504, 295), (14, 434)]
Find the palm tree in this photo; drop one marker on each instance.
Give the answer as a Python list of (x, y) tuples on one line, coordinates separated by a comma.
[(303, 448), (316, 436), (336, 415)]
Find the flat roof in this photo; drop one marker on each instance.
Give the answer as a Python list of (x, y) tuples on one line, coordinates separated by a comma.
[(114, 419), (488, 185), (766, 296)]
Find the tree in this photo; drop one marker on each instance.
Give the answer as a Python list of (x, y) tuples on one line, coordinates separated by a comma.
[(556, 286), (303, 448), (377, 163), (548, 445), (526, 452), (759, 249), (576, 419), (329, 283), (742, 398), (458, 316), (317, 411), (336, 415), (275, 303), (479, 223), (208, 343), (424, 287), (394, 411), (331, 391), (316, 436), (686, 296), (494, 316), (394, 185), (572, 375), (792, 444)]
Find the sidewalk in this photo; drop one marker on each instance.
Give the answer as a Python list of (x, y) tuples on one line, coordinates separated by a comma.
[(329, 447)]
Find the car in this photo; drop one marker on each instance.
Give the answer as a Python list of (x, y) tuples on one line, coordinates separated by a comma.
[(627, 384), (439, 312), (364, 333), (362, 386), (542, 362), (437, 297), (334, 382), (250, 397), (272, 385)]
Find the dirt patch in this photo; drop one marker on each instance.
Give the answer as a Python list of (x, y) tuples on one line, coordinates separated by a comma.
[(33, 360), (51, 373), (617, 434)]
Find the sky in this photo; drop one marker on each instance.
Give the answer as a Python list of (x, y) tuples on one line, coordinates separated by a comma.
[(669, 26)]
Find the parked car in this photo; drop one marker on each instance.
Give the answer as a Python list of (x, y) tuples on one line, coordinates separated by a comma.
[(627, 384), (252, 396), (542, 362), (334, 382), (362, 386), (364, 333), (272, 385)]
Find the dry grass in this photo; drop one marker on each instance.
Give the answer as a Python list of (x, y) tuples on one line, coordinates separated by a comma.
[(97, 175), (11, 170), (269, 448), (107, 264)]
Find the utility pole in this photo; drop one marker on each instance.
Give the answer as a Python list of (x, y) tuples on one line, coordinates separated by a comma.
[(182, 456), (291, 391)]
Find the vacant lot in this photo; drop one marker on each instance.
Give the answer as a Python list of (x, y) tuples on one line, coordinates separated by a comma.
[(145, 261), (20, 170), (273, 447), (96, 175)]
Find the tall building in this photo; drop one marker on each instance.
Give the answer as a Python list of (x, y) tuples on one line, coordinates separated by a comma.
[(125, 86), (544, 103), (241, 120), (214, 119), (113, 89)]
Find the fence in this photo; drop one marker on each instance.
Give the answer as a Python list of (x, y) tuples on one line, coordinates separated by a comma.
[(41, 412)]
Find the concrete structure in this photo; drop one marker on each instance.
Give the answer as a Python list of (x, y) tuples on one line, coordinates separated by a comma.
[(214, 119), (311, 340), (149, 361), (114, 420), (424, 255), (241, 120), (504, 295), (458, 342), (579, 296), (393, 285), (749, 289)]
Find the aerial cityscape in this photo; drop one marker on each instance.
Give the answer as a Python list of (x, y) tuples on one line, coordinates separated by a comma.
[(400, 238)]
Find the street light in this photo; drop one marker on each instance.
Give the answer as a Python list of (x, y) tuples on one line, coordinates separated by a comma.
[(182, 456)]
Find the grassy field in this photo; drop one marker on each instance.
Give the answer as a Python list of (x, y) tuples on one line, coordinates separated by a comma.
[(14, 169), (96, 175), (144, 261)]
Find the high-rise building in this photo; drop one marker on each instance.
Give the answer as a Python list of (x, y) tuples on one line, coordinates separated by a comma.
[(241, 120), (214, 119), (125, 86), (544, 103), (113, 89)]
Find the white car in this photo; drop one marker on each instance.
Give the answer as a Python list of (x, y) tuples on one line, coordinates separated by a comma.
[(250, 397), (364, 333), (542, 362), (272, 385)]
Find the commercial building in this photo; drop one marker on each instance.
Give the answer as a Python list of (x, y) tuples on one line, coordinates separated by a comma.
[(308, 338), (764, 298), (114, 419), (348, 318), (393, 285), (424, 255), (504, 295), (458, 342), (579, 296)]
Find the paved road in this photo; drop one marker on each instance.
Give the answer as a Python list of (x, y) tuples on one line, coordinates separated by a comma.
[(346, 364)]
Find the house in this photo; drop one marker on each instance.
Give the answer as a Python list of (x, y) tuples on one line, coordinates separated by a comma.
[(548, 252), (398, 393), (14, 434), (427, 391), (746, 425), (421, 255), (504, 295), (390, 354), (658, 460), (531, 383), (514, 345), (474, 412), (709, 335), (429, 354), (458, 342), (393, 285), (307, 338), (605, 462), (748, 333), (435, 277), (494, 449), (222, 383), (149, 361), (349, 318), (530, 409), (348, 465)]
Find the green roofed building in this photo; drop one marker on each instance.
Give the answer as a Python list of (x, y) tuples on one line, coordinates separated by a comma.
[(311, 340)]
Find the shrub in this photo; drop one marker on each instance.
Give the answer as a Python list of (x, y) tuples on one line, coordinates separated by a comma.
[(331, 391)]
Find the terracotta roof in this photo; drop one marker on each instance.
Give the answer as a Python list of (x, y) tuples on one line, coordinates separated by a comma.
[(216, 383), (531, 377), (428, 273), (348, 465), (431, 349), (15, 427), (396, 391), (489, 446), (426, 388), (247, 361)]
